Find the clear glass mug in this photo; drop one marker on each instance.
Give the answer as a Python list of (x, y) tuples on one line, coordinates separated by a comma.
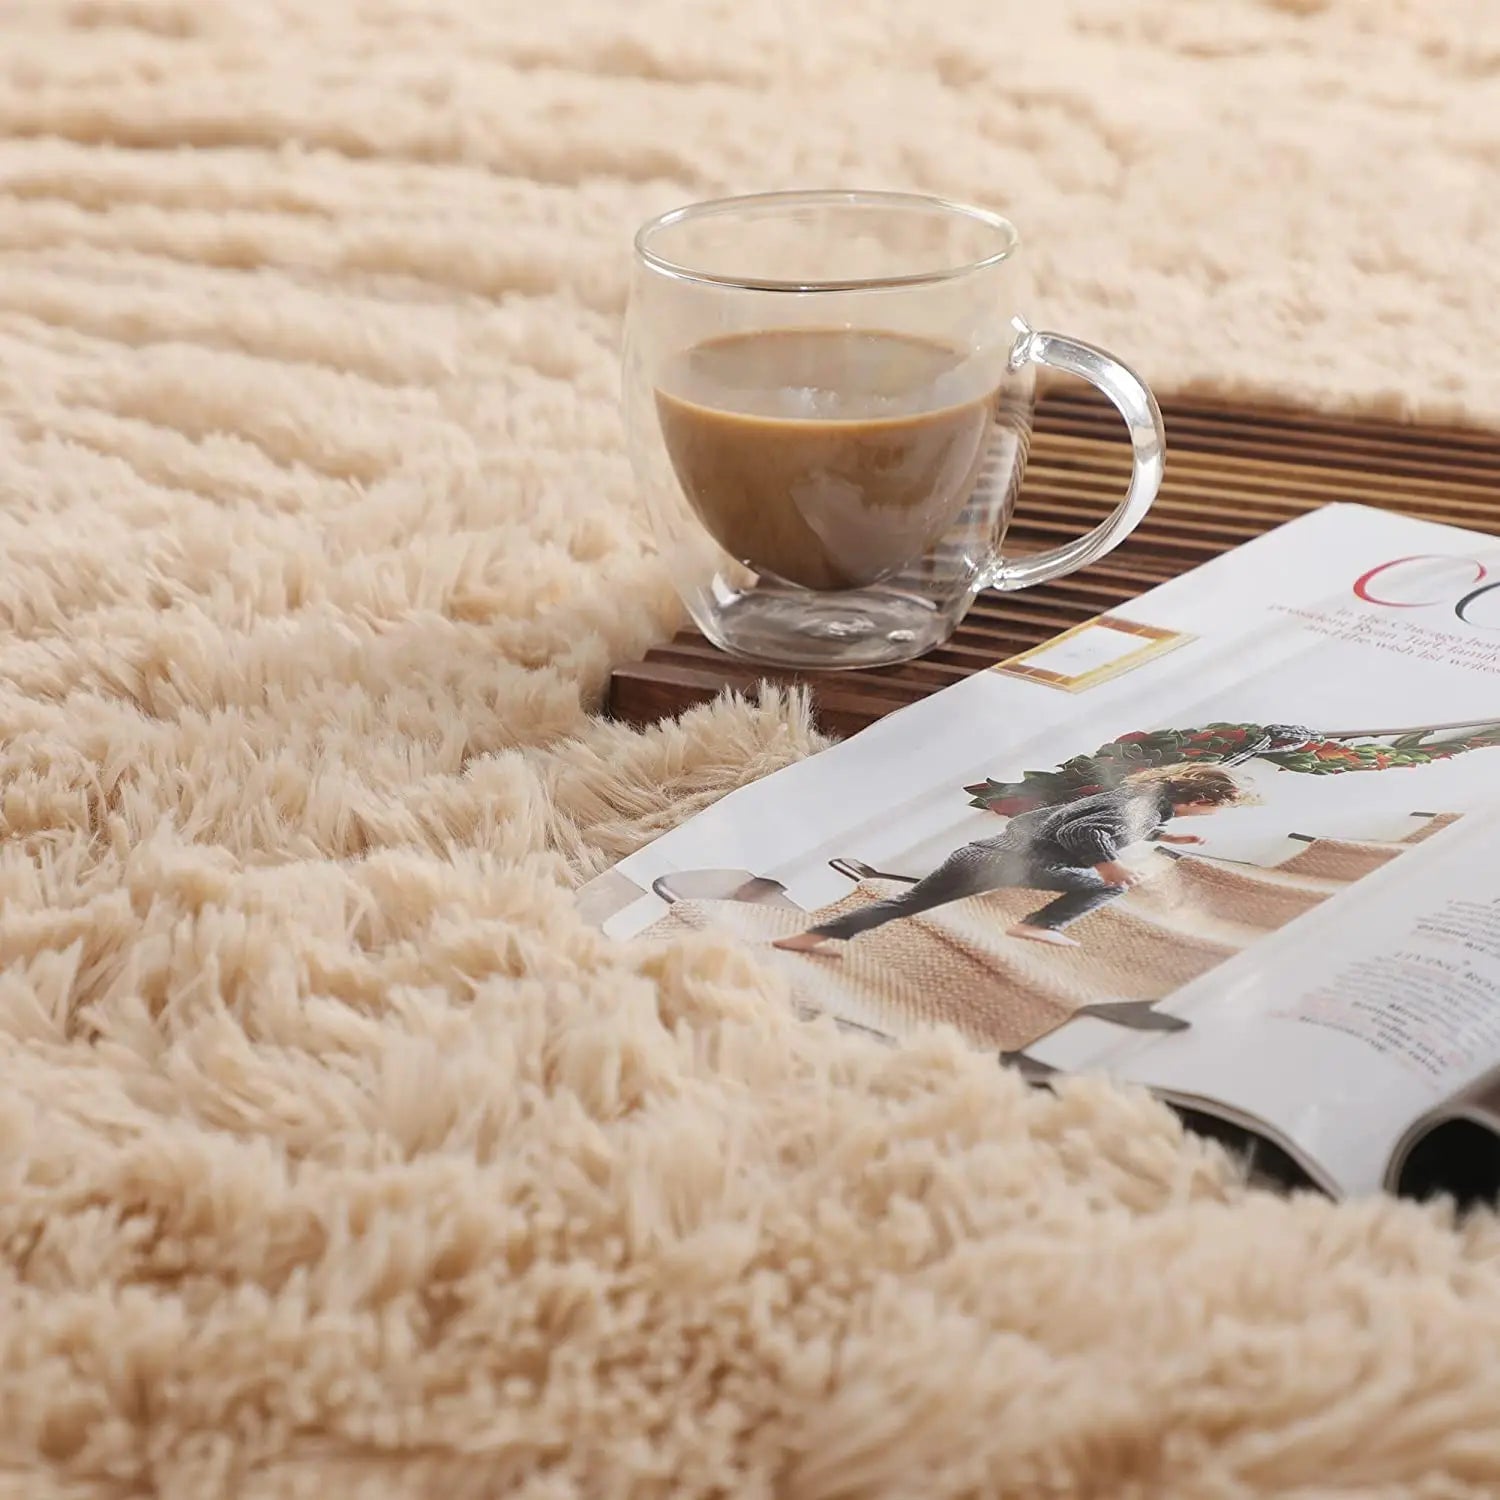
[(828, 400)]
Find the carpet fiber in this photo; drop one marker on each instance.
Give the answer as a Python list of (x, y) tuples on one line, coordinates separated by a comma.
[(337, 1157)]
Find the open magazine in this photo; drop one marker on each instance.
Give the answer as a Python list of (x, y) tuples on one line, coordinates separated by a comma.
[(1235, 842)]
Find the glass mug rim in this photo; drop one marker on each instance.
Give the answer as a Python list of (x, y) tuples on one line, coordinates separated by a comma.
[(1009, 238)]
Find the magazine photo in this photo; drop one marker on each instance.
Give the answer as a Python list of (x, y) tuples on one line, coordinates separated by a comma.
[(1231, 842)]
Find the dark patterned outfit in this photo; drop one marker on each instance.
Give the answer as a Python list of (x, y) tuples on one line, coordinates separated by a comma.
[(1050, 849)]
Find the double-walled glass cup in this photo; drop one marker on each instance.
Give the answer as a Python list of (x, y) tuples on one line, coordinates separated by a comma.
[(828, 401)]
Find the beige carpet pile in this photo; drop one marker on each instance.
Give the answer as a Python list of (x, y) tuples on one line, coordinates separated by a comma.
[(336, 1157)]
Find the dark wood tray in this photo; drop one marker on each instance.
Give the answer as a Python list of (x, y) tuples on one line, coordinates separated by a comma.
[(1232, 473)]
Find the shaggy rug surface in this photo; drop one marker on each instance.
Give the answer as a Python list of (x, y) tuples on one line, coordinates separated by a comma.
[(337, 1157)]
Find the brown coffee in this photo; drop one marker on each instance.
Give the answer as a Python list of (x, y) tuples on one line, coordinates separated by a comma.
[(825, 457)]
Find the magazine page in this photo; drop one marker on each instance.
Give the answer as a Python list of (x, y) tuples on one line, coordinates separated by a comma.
[(1335, 1035), (1089, 829), (1454, 1149)]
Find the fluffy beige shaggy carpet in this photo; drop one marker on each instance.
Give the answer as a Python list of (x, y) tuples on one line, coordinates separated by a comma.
[(336, 1157)]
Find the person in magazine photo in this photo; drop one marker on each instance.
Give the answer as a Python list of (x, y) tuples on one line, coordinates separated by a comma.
[(1073, 849)]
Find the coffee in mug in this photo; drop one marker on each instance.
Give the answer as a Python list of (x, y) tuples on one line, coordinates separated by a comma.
[(826, 457)]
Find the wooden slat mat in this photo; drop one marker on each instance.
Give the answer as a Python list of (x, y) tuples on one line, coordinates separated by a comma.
[(1232, 473)]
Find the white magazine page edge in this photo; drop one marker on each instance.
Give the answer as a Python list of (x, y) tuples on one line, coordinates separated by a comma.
[(1359, 1142)]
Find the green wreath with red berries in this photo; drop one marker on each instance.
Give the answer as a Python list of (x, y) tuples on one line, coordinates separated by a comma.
[(1213, 744)]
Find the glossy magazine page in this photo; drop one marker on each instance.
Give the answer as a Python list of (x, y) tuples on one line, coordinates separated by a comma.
[(1338, 1030), (1454, 1149), (1069, 856)]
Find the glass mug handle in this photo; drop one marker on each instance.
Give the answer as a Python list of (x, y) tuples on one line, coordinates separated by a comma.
[(1134, 401)]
